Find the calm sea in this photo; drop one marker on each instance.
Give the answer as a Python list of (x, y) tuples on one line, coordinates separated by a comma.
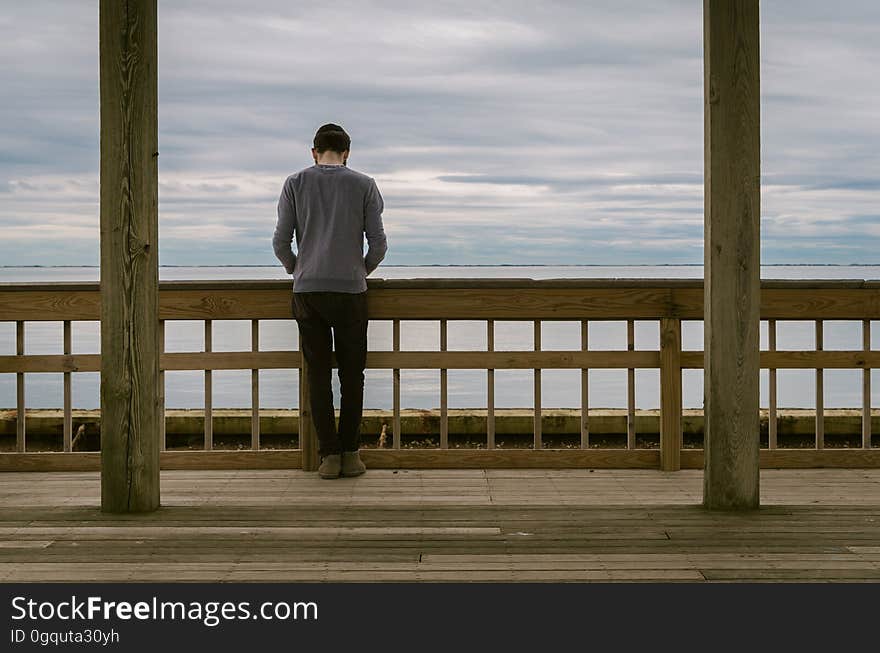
[(421, 388)]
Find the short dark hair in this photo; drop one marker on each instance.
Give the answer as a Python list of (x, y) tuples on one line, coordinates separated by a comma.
[(332, 137)]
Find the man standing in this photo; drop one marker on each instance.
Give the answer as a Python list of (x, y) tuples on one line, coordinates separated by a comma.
[(329, 207)]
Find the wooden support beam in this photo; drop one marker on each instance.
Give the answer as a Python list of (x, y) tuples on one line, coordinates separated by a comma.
[(129, 256), (732, 252)]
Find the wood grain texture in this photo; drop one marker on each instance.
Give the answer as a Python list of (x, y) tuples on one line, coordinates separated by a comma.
[(670, 395), (805, 360), (552, 299), (209, 391), (129, 256), (255, 388), (630, 388), (395, 389), (450, 459), (536, 372), (820, 391), (490, 388), (732, 252), (585, 388), (771, 411), (20, 410), (67, 428), (799, 458), (557, 359), (519, 525), (866, 388), (444, 391), (161, 386)]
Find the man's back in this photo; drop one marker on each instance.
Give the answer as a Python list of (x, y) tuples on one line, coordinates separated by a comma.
[(329, 208)]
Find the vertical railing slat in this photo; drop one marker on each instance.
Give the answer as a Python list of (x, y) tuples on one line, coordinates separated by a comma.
[(585, 390), (20, 444), (67, 427), (444, 393), (866, 388), (162, 443), (670, 394), (255, 388), (395, 425), (537, 373), (820, 393), (771, 410), (630, 390), (490, 388), (209, 413)]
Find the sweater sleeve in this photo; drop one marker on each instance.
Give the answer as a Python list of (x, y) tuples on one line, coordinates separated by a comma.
[(285, 228), (377, 244)]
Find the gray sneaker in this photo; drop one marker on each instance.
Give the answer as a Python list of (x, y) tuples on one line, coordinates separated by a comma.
[(352, 465), (330, 466)]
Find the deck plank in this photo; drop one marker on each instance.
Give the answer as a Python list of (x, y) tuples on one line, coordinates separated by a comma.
[(519, 525)]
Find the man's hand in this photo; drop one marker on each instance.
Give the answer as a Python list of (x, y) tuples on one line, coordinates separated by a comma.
[(282, 239)]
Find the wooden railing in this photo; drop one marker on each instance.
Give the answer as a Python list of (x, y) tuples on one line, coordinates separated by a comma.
[(582, 300)]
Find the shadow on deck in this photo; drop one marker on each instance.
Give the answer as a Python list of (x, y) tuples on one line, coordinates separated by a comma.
[(442, 525)]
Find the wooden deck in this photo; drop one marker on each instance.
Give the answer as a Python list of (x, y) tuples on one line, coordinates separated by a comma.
[(442, 525)]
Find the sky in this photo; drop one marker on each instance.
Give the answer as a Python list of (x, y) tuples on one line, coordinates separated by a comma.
[(499, 132)]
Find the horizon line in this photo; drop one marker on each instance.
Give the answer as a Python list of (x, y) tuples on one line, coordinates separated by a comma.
[(475, 265)]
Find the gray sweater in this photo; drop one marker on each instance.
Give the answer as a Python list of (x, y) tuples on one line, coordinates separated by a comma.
[(329, 208)]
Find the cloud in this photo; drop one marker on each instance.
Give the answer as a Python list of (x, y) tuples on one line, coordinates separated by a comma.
[(551, 132)]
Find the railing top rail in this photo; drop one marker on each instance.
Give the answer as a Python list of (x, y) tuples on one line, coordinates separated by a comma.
[(449, 283), (458, 299)]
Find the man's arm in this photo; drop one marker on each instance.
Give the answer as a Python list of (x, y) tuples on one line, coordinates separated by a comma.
[(377, 245), (284, 229)]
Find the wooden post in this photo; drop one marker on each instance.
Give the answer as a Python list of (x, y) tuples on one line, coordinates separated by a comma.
[(129, 257), (732, 253), (670, 394)]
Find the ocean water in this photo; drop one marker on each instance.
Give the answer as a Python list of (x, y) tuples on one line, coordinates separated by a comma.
[(421, 388)]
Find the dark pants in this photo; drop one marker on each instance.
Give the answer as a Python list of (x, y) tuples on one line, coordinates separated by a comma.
[(317, 313)]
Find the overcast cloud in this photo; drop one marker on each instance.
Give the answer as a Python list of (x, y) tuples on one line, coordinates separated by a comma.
[(498, 132)]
